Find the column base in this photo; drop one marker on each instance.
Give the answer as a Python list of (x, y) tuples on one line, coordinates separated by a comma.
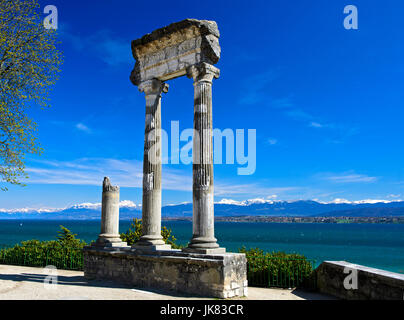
[(150, 240), (204, 250), (156, 247), (109, 243), (204, 245)]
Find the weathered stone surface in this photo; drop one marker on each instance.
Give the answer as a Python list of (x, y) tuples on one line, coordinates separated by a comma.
[(203, 238), (151, 247), (151, 201), (373, 284), (166, 53), (193, 248), (219, 275)]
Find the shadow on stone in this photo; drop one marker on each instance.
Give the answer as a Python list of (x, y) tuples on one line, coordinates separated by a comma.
[(312, 295), (81, 281)]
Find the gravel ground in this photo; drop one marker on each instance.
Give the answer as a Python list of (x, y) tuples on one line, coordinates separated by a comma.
[(29, 283)]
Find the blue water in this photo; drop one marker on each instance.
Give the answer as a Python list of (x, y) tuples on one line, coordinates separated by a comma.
[(374, 245)]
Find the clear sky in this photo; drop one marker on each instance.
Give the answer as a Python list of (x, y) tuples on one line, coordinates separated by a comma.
[(326, 102)]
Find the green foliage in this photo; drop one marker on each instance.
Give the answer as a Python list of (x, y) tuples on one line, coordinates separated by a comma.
[(29, 67), (259, 253), (64, 253), (67, 239), (134, 233), (278, 269), (169, 238)]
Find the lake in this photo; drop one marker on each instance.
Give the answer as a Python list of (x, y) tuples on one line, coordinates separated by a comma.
[(374, 245)]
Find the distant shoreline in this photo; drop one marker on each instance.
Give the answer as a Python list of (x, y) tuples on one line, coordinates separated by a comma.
[(252, 219), (273, 219)]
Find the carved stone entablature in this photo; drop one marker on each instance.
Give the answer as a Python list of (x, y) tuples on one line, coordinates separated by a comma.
[(106, 186), (166, 53)]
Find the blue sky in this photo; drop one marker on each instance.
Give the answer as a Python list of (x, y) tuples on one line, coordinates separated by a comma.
[(326, 102)]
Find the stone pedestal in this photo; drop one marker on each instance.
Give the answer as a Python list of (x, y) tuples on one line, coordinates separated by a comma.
[(216, 275), (109, 236)]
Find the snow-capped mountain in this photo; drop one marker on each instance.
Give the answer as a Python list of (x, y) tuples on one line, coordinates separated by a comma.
[(128, 209), (224, 207)]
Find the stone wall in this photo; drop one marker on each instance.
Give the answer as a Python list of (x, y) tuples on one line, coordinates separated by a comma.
[(372, 284), (219, 275)]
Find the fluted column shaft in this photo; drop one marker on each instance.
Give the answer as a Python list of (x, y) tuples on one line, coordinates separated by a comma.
[(203, 239), (151, 205)]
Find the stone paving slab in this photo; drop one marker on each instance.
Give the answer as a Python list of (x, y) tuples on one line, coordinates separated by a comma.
[(27, 283)]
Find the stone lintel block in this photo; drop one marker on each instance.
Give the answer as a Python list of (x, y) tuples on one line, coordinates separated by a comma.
[(217, 275), (205, 27), (167, 52)]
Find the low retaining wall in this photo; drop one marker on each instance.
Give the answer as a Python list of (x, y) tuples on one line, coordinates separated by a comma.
[(370, 284), (218, 275)]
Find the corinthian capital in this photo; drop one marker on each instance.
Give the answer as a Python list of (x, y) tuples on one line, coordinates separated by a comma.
[(203, 72), (153, 86)]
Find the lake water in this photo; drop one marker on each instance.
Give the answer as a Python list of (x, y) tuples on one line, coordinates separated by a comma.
[(374, 245)]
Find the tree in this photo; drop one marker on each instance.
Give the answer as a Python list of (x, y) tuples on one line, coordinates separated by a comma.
[(133, 234), (68, 239), (29, 66)]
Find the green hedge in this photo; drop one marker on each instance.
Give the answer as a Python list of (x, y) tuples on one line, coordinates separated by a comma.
[(278, 269), (35, 253), (63, 253)]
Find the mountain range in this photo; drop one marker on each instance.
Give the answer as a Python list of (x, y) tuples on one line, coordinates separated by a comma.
[(224, 208)]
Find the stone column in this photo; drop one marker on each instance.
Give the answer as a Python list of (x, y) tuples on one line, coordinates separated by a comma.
[(151, 205), (203, 239), (109, 236)]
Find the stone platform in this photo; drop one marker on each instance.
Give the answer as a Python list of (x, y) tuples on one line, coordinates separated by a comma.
[(217, 275)]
